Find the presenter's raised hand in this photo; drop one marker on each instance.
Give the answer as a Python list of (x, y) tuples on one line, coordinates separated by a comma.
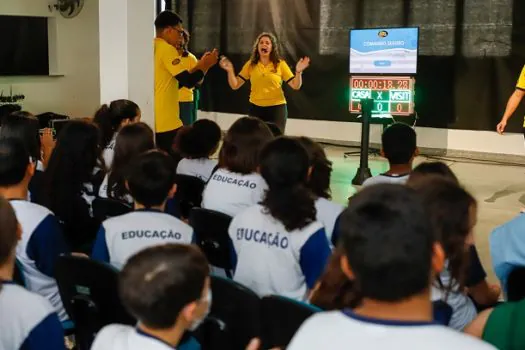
[(208, 60), (501, 127), (226, 64), (302, 64)]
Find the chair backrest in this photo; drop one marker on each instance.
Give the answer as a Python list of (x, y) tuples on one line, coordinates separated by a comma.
[(211, 234), (105, 208), (516, 284), (281, 317), (189, 193), (234, 315), (442, 312), (89, 291)]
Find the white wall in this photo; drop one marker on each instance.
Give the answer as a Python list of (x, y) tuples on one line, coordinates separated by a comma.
[(75, 89)]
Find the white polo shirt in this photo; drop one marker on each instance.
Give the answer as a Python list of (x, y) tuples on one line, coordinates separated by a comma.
[(27, 320), (41, 244), (109, 152), (122, 236), (121, 337), (103, 192), (327, 213), (268, 259), (336, 330), (230, 193), (396, 179), (201, 167)]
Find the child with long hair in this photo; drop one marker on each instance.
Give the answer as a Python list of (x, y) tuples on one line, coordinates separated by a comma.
[(278, 246)]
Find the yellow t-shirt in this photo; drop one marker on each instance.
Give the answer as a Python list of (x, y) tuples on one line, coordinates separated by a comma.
[(266, 82), (521, 85), (185, 94), (167, 66)]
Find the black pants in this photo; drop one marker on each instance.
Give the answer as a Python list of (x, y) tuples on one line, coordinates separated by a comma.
[(187, 112), (271, 114), (164, 140)]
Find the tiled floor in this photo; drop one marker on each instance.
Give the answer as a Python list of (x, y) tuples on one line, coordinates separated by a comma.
[(499, 189)]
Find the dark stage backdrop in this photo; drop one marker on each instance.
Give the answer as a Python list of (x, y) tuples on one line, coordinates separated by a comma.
[(471, 52)]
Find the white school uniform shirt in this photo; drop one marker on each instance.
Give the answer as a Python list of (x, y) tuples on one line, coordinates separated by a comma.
[(268, 259), (121, 337), (327, 213), (395, 179), (230, 193), (336, 330), (103, 191), (201, 168), (109, 151), (41, 244), (122, 236), (27, 320)]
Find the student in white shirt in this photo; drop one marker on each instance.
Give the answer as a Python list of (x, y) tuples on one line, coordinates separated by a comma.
[(27, 320), (390, 252), (319, 183), (167, 289), (399, 147), (278, 246), (42, 241), (110, 119), (132, 140), (196, 144), (237, 185), (151, 181)]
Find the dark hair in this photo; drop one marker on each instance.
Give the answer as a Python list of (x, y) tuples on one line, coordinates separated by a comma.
[(150, 178), (71, 165), (242, 144), (387, 238), (199, 140), (284, 167), (450, 210), (8, 231), (109, 118), (167, 19), (275, 54), (14, 159), (158, 282), (7, 109), (132, 140), (319, 181), (399, 143), (25, 129), (424, 170)]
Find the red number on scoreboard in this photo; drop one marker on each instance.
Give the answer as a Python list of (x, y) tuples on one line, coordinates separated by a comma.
[(390, 84), (402, 84), (359, 107), (399, 108)]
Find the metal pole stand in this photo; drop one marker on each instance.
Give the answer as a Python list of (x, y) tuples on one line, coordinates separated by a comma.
[(363, 172)]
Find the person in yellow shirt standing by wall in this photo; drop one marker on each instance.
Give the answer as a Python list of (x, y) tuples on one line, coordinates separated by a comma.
[(187, 95), (266, 71), (514, 102), (171, 74)]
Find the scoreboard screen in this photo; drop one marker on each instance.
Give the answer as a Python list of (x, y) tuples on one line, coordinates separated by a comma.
[(391, 95)]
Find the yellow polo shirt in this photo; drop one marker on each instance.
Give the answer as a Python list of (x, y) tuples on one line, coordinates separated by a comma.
[(167, 66), (185, 94), (521, 85), (266, 82)]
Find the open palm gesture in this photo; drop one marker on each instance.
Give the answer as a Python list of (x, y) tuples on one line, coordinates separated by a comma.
[(225, 64), (302, 64)]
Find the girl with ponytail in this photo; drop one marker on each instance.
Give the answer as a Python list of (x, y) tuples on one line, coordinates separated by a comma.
[(278, 246)]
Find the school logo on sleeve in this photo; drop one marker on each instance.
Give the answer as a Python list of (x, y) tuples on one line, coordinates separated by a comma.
[(176, 61)]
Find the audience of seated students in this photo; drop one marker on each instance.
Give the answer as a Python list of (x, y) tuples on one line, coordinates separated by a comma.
[(7, 109), (69, 183), (278, 246), (237, 185), (196, 144), (319, 184), (27, 320), (132, 140), (151, 181), (399, 147), (390, 251), (42, 241), (167, 289), (110, 119)]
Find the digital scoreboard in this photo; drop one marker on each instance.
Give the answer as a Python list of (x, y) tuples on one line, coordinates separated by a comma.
[(391, 95)]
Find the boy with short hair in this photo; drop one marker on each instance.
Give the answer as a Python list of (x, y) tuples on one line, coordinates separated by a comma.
[(167, 288), (398, 146), (390, 252), (151, 181), (27, 320)]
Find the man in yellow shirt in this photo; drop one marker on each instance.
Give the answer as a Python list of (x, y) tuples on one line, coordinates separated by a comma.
[(170, 75), (186, 95), (514, 102)]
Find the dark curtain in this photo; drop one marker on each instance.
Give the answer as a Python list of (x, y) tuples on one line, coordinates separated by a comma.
[(471, 52)]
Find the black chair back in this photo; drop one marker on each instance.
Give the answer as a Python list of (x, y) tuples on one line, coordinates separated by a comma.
[(234, 317), (189, 193), (516, 284), (89, 291), (105, 208), (211, 234), (442, 312), (281, 318)]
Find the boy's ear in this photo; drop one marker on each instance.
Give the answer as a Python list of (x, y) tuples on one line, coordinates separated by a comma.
[(172, 191), (346, 268), (310, 169)]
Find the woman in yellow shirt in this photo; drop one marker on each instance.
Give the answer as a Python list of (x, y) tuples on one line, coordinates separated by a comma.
[(186, 94), (266, 71)]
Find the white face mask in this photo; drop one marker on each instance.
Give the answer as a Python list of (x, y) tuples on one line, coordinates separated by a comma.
[(198, 322)]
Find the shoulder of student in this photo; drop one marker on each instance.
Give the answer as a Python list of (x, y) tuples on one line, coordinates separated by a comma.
[(25, 305)]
